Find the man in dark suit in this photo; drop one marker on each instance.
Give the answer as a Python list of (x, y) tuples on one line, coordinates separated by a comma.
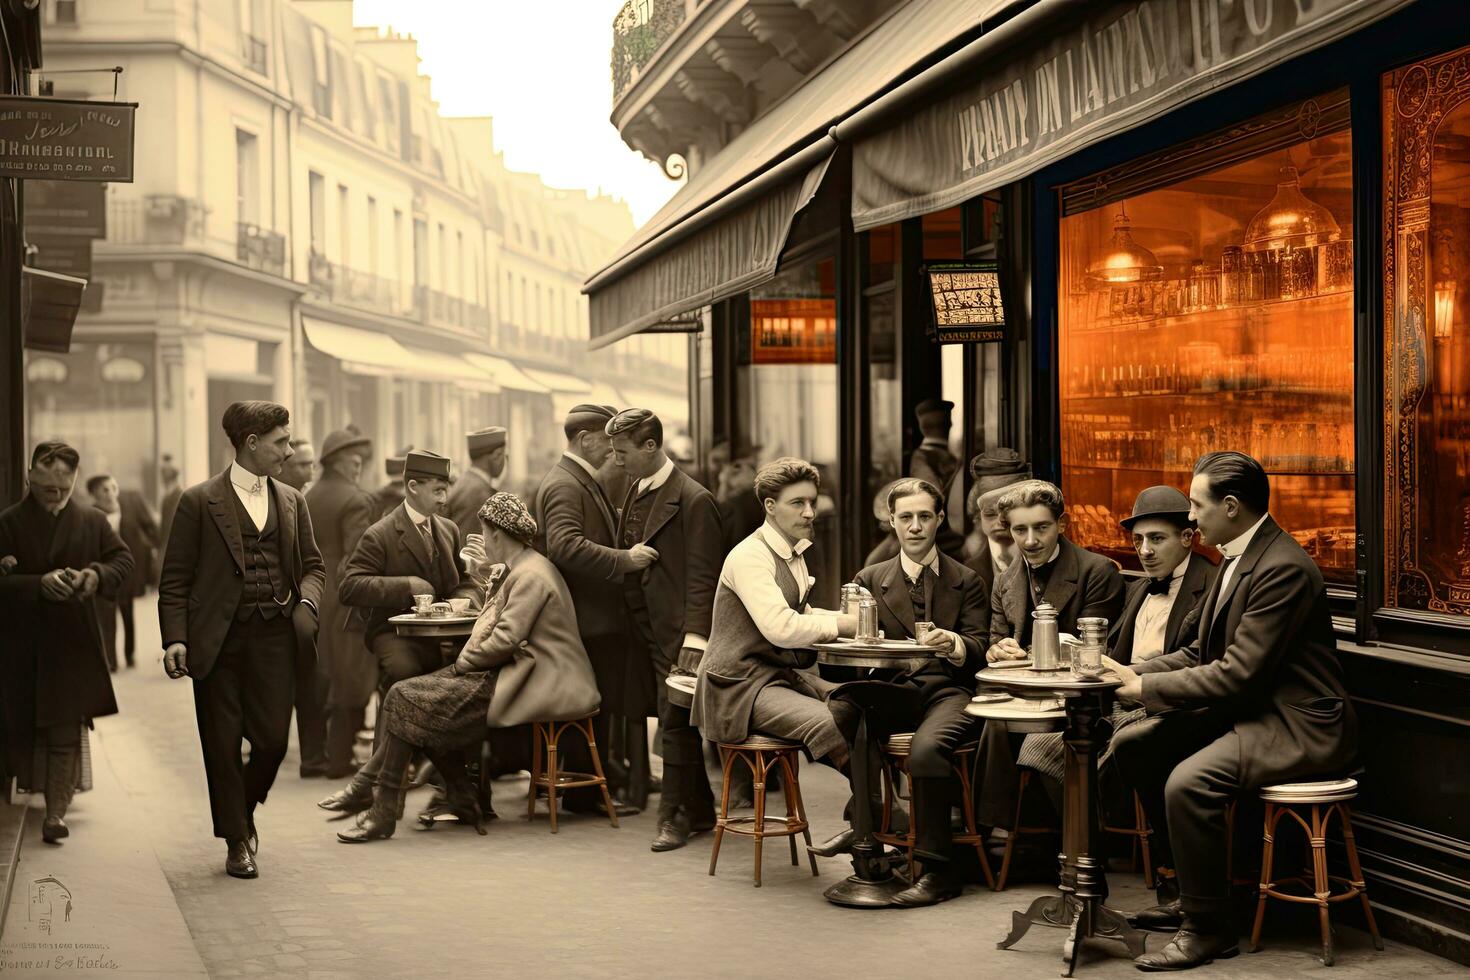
[(390, 494), (241, 588), (1257, 698), (578, 532), (330, 700), (932, 460), (923, 585), (413, 551), (478, 483), (134, 523), (669, 603), (1075, 581)]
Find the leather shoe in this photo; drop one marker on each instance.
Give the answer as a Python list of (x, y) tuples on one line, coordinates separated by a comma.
[(839, 843), (1159, 918), (672, 835), (239, 862), (349, 799), (932, 888), (368, 827), (53, 830), (1190, 948)]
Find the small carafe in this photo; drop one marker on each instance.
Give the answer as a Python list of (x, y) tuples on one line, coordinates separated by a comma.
[(1046, 642)]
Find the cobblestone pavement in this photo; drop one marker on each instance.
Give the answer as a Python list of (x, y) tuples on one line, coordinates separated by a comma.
[(590, 901)]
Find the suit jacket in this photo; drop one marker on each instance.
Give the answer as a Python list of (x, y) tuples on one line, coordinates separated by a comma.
[(982, 565), (466, 498), (577, 530), (376, 581), (1179, 629), (139, 531), (1265, 656), (203, 566), (340, 513), (385, 498), (960, 603), (684, 527), (528, 632), (742, 515), (1082, 584), (167, 508)]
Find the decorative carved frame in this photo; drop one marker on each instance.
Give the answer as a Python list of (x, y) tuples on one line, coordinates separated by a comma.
[(1416, 100)]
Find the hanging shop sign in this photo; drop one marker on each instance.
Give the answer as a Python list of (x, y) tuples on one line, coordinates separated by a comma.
[(62, 219), (66, 139), (968, 305), (1118, 66)]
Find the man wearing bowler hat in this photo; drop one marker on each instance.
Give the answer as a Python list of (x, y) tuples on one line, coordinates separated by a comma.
[(480, 481), (390, 494), (340, 512), (413, 551)]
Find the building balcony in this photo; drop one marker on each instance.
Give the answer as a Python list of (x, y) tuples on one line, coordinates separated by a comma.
[(353, 287), (157, 219), (688, 75), (261, 249)]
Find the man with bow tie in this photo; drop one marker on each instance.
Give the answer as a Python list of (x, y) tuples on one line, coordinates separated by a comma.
[(241, 587)]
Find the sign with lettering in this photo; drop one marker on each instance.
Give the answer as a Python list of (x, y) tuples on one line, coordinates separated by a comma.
[(968, 306), (62, 219), (66, 139), (1116, 67)]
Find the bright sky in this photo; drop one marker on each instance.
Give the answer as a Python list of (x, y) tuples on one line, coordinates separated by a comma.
[(542, 70)]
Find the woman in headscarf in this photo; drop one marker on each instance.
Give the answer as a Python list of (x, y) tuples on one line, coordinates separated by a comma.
[(524, 662)]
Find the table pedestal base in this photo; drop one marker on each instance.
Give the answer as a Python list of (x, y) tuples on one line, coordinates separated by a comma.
[(1081, 919)]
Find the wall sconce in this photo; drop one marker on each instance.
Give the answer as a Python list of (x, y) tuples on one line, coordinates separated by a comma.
[(1444, 309)]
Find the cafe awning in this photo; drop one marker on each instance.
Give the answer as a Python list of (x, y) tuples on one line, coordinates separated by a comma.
[(732, 218), (1019, 98), (558, 382), (506, 374), (373, 353)]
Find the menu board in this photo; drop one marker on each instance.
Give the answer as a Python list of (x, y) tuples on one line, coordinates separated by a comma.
[(968, 305)]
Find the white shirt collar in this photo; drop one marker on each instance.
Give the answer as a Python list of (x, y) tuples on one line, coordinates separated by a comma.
[(1054, 553), (658, 479), (1236, 547), (912, 569), (779, 544), (1179, 570), (244, 479), (413, 514), (582, 463)]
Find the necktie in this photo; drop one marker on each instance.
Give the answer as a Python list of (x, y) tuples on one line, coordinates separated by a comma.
[(428, 539), (1159, 586)]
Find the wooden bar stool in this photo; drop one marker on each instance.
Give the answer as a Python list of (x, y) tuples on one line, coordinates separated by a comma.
[(1140, 832), (1018, 830), (1322, 800), (896, 752), (545, 774), (761, 753)]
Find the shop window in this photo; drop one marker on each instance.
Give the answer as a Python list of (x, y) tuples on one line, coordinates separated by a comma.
[(1426, 348), (885, 381), (786, 391), (1210, 312)]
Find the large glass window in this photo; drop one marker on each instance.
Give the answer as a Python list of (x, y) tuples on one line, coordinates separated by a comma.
[(786, 391), (1426, 269), (885, 382), (1215, 312)]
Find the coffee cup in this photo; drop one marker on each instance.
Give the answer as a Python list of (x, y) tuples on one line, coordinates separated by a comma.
[(460, 606), (440, 610), (421, 604)]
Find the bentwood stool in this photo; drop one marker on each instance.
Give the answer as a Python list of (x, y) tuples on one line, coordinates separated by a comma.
[(1140, 832), (762, 753), (896, 752), (545, 773), (1017, 829), (1319, 801)]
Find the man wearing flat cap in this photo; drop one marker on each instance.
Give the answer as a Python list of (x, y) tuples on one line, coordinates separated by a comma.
[(669, 603), (578, 532), (481, 480), (340, 512), (413, 551), (390, 495)]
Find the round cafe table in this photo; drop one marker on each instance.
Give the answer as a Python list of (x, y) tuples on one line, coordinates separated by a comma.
[(872, 883), (1079, 905), (450, 631)]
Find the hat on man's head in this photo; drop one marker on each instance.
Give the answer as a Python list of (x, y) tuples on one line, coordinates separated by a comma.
[(1164, 502), (420, 464), (583, 418), (933, 406), (394, 464), (998, 468), (486, 440), (508, 512), (627, 419), (341, 441)]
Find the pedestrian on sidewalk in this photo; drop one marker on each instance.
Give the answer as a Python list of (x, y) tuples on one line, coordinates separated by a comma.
[(53, 672), (131, 518), (241, 588)]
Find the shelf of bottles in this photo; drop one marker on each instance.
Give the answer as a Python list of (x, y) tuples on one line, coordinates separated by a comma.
[(793, 331), (1216, 345)]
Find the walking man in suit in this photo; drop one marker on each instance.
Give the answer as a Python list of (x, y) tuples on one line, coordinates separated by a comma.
[(1257, 698), (330, 701), (413, 551), (669, 603), (241, 587), (478, 483), (578, 532), (132, 521), (921, 585)]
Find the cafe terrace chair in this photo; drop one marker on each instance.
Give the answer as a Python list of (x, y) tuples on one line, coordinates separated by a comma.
[(548, 776), (1140, 833), (896, 752), (1319, 801), (1018, 829), (762, 754)]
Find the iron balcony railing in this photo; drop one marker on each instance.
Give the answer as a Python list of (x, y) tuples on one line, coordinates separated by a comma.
[(261, 249), (639, 30)]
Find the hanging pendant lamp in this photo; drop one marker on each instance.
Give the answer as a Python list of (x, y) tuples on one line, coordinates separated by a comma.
[(1291, 220), (1124, 261)]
